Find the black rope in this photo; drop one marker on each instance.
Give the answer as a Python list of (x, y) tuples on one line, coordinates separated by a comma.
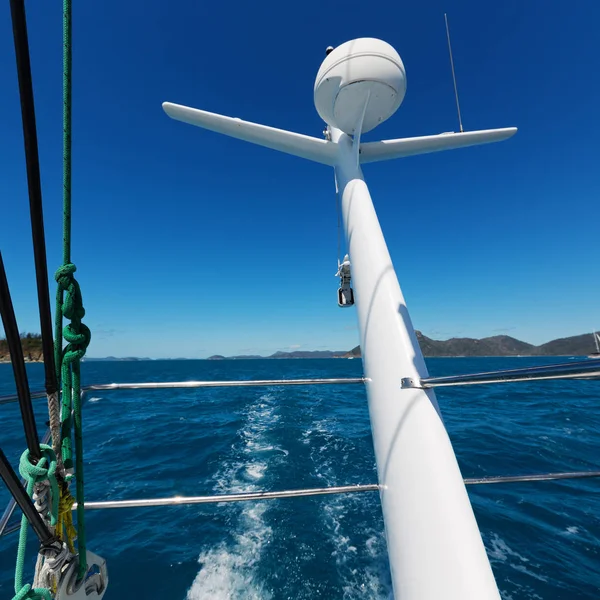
[(17, 8), (19, 493), (13, 340)]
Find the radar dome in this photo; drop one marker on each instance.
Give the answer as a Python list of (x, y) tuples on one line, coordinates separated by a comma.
[(366, 67)]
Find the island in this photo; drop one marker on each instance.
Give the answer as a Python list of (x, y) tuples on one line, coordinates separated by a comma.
[(32, 348), (498, 345)]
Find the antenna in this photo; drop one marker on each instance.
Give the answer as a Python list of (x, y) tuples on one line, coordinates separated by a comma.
[(453, 75)]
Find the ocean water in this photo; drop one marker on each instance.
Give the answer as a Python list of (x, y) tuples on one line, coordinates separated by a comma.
[(543, 538)]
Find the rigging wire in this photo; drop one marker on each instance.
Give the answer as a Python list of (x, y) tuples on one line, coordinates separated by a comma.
[(338, 211), (24, 502), (453, 74), (21, 42), (13, 340)]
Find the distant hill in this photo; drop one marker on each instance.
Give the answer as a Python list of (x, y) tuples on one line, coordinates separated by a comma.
[(500, 345), (114, 358), (32, 348), (309, 354), (354, 353), (281, 355), (570, 346)]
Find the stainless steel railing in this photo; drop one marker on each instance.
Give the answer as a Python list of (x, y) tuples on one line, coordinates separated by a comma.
[(199, 384), (580, 369), (583, 369)]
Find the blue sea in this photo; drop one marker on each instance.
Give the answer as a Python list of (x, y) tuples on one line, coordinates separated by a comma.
[(543, 539)]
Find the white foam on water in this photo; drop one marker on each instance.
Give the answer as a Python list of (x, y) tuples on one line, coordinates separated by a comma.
[(361, 578), (256, 470), (526, 571), (94, 399), (105, 442), (500, 551), (520, 591), (572, 530), (229, 570)]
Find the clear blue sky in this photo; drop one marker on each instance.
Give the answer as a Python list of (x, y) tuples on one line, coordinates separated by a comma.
[(188, 243)]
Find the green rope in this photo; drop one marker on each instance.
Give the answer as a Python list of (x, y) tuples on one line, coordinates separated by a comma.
[(35, 474), (29, 593), (69, 305), (39, 472), (67, 62), (78, 337)]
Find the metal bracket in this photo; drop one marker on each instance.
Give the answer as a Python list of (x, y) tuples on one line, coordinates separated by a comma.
[(409, 382), (345, 292), (579, 369)]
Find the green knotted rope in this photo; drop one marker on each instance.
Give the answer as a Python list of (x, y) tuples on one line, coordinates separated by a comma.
[(44, 470), (29, 593), (69, 305), (78, 337)]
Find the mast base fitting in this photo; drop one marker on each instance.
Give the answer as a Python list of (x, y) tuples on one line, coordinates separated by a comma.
[(91, 587)]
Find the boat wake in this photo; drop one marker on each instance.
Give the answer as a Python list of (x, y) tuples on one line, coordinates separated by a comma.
[(229, 570), (359, 548), (352, 540)]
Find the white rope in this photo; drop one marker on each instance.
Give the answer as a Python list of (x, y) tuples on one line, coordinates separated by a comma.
[(41, 498), (54, 418), (41, 501), (48, 568)]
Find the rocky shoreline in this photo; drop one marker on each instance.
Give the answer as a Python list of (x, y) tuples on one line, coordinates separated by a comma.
[(32, 348), (4, 360)]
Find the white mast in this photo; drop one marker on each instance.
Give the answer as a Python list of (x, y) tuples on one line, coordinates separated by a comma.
[(434, 544)]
